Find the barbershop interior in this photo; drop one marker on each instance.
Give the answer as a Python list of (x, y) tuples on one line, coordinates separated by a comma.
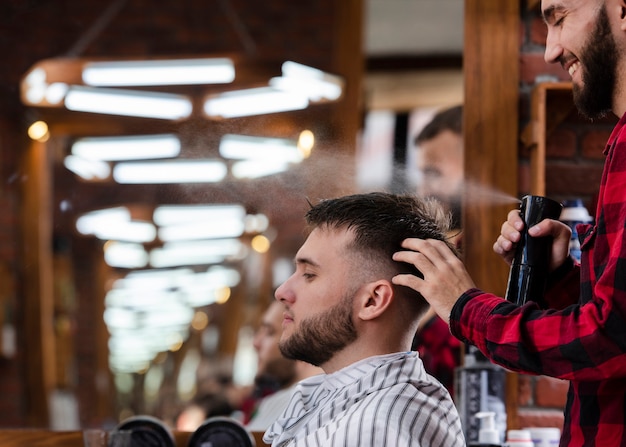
[(120, 305)]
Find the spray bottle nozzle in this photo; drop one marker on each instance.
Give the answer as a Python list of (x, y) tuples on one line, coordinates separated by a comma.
[(487, 433)]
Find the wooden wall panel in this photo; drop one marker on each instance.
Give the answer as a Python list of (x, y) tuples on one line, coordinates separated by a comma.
[(491, 70)]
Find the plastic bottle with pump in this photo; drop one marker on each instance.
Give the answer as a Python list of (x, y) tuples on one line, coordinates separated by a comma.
[(479, 386), (488, 435)]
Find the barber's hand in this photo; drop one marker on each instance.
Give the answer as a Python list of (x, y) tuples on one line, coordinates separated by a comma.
[(445, 276), (510, 235)]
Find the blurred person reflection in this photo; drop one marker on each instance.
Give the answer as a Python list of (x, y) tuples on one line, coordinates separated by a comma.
[(202, 407), (440, 162)]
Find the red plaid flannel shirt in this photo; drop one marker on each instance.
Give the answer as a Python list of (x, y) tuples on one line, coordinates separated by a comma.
[(581, 337)]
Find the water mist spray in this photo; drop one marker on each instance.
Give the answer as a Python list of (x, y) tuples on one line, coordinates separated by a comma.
[(529, 269)]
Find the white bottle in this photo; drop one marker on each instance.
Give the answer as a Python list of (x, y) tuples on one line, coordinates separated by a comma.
[(519, 438), (573, 213), (488, 435)]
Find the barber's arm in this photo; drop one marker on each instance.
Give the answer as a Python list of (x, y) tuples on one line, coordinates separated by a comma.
[(445, 276)]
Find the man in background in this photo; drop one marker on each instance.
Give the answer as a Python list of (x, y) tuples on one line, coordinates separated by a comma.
[(439, 148), (440, 160)]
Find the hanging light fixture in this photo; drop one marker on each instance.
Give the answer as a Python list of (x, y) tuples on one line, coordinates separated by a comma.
[(159, 72)]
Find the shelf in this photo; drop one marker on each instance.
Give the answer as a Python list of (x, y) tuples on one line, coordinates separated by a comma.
[(551, 103)]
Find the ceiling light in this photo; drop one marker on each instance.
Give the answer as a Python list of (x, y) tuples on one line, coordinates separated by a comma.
[(241, 147), (128, 102), (199, 221), (87, 169), (115, 224), (127, 148), (257, 168), (255, 101), (159, 72), (125, 255), (175, 171), (88, 223), (315, 84), (177, 214), (131, 231), (196, 253), (201, 230)]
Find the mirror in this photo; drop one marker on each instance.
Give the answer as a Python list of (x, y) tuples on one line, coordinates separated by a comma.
[(56, 297)]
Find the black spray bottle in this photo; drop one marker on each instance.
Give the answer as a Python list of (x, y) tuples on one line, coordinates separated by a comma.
[(529, 269)]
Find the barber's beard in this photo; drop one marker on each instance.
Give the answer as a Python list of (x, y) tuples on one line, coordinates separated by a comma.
[(318, 338), (594, 99)]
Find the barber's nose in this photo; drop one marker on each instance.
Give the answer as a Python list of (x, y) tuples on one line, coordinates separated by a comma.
[(554, 49)]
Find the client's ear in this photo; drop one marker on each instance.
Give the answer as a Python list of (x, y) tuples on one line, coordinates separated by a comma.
[(374, 298)]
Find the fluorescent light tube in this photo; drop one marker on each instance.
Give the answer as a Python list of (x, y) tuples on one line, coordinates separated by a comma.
[(202, 230), (165, 215), (159, 72), (128, 102), (315, 84), (258, 168), (115, 224), (87, 169), (242, 147), (125, 255), (196, 252), (89, 223), (175, 171), (254, 101), (127, 148)]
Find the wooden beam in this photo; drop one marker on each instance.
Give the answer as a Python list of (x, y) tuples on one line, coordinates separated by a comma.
[(39, 336), (491, 73)]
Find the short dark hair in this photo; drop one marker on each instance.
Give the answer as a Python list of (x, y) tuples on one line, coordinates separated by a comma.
[(381, 221), (448, 119)]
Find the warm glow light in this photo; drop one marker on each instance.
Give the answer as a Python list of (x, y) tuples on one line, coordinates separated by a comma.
[(222, 295), (175, 171), (306, 141), (128, 103), (38, 131), (256, 101), (159, 72), (260, 243), (127, 148), (200, 321)]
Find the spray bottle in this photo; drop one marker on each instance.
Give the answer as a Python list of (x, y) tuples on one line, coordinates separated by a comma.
[(488, 436), (529, 269)]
